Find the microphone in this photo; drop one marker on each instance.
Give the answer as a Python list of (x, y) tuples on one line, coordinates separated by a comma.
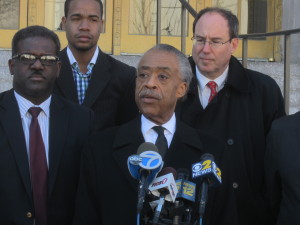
[(164, 187), (144, 167), (209, 175), (186, 194), (186, 189)]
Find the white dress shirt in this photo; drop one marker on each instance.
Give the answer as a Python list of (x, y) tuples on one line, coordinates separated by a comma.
[(43, 119), (150, 135), (204, 90), (73, 60)]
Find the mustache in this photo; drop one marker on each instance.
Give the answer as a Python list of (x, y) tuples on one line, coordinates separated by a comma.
[(150, 93), (83, 34), (37, 72)]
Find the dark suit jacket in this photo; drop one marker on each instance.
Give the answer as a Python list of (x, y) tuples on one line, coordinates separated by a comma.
[(282, 169), (240, 115), (110, 93), (70, 126), (107, 193)]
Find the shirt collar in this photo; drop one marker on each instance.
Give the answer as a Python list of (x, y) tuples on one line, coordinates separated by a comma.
[(169, 126), (25, 104), (203, 80), (73, 60)]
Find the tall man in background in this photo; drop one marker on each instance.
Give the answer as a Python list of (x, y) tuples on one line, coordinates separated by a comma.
[(41, 136), (236, 105), (90, 77)]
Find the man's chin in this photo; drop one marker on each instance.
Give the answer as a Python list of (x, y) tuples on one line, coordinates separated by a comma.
[(83, 48)]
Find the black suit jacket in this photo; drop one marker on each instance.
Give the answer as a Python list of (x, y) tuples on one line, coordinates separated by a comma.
[(107, 193), (283, 170), (240, 115), (110, 93), (70, 126)]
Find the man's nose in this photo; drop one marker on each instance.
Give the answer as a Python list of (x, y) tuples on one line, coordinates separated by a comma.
[(84, 25), (37, 64), (151, 81)]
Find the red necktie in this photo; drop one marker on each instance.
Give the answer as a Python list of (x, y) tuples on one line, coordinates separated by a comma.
[(213, 90), (38, 168)]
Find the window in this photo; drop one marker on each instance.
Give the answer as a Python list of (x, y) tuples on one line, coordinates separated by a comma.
[(8, 8)]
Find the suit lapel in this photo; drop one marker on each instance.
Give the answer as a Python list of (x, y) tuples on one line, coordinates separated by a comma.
[(99, 80), (186, 147), (126, 144), (12, 124), (65, 81), (58, 128)]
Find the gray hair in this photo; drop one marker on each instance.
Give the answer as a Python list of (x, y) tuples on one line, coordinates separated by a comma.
[(184, 65)]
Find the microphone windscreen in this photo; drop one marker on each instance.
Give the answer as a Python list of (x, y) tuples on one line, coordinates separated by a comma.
[(207, 156), (146, 146), (167, 170), (183, 173)]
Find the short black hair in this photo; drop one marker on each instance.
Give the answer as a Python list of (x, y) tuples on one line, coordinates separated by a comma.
[(34, 31), (233, 22), (67, 6)]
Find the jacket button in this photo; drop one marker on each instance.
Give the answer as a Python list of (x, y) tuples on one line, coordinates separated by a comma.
[(29, 215), (235, 185), (230, 141)]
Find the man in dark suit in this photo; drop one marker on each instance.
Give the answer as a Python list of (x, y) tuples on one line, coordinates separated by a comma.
[(107, 193), (236, 105), (283, 171), (39, 154), (90, 77)]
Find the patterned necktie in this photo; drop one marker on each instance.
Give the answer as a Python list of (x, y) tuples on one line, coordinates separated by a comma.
[(161, 141), (213, 90), (38, 168)]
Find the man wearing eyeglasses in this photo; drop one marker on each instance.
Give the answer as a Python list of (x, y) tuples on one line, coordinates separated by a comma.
[(236, 105), (40, 136)]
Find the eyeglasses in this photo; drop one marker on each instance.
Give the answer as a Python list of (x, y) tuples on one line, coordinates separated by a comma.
[(213, 44), (46, 60)]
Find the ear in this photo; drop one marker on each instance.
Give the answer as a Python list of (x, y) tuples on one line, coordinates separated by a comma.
[(101, 26), (11, 66), (63, 22), (181, 90), (234, 44), (58, 68)]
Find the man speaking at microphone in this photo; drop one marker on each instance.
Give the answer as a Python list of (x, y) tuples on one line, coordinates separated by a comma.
[(107, 193)]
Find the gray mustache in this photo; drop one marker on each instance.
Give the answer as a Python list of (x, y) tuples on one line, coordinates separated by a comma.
[(149, 93)]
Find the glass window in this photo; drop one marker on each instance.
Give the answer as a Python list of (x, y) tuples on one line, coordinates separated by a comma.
[(8, 8), (252, 14), (142, 18), (257, 11), (54, 11)]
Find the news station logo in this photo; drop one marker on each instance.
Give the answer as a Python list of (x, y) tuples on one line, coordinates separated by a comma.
[(135, 159), (150, 160), (165, 180), (186, 190), (205, 168)]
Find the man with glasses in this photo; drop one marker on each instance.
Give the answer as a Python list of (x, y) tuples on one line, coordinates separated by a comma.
[(90, 77), (236, 105), (40, 136)]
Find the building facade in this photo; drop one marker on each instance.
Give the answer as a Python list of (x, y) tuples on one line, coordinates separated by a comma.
[(130, 25)]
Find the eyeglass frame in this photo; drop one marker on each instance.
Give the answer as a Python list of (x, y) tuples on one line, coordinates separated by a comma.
[(36, 58), (212, 44)]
